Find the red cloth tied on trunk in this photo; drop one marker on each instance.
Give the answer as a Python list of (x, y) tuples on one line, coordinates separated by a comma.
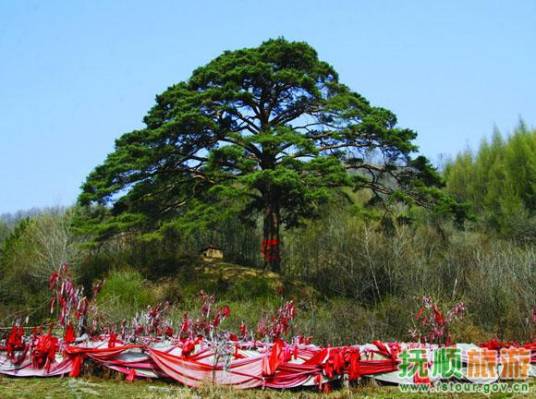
[(268, 248)]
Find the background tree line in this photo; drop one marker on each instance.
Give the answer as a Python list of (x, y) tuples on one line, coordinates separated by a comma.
[(499, 181)]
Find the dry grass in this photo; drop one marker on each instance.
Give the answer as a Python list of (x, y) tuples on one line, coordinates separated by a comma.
[(63, 388)]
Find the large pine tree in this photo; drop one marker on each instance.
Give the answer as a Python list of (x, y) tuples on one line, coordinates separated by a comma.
[(263, 131)]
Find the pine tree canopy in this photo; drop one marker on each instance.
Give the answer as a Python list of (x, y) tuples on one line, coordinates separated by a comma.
[(266, 131)]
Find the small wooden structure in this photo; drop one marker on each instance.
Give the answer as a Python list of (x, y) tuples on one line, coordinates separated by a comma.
[(211, 253)]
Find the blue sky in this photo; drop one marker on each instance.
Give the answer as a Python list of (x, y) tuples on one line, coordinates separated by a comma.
[(74, 75)]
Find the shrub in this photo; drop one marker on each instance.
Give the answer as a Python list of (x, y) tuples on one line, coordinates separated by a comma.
[(124, 293)]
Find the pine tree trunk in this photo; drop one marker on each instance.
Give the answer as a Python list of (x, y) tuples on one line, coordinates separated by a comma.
[(270, 247)]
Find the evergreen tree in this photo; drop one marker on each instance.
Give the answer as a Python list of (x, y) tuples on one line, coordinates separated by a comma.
[(264, 131)]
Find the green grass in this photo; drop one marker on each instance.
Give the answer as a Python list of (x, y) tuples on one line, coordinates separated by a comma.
[(63, 388)]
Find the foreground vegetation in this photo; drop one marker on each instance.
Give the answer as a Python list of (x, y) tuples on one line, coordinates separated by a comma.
[(352, 281), (67, 388)]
